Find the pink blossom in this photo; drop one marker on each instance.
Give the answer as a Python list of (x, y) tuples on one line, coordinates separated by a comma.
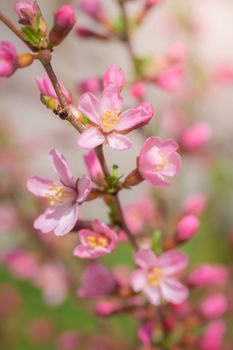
[(89, 85), (187, 227), (107, 123), (101, 240), (157, 160), (46, 89), (196, 136), (145, 333), (177, 52), (8, 59), (205, 275), (64, 18), (68, 340), (22, 264), (97, 281), (195, 204), (155, 277), (114, 75), (26, 12), (213, 336), (140, 214), (65, 196), (214, 306), (94, 167), (138, 90), (92, 8), (170, 79)]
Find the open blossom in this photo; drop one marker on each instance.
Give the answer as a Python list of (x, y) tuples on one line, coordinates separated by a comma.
[(107, 123), (158, 160), (213, 336), (46, 89), (99, 241), (65, 196), (8, 59), (94, 167), (97, 281), (114, 75), (206, 275), (155, 277), (214, 306)]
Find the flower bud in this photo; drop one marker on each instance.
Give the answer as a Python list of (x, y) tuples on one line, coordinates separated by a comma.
[(150, 3), (87, 33), (30, 15), (214, 306), (213, 336), (206, 275), (89, 85), (133, 179), (64, 20), (195, 204), (25, 60), (8, 59), (93, 8), (170, 79), (196, 136), (138, 90), (187, 227)]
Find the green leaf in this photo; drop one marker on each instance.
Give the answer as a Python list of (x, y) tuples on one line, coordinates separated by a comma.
[(114, 179), (86, 119), (156, 242), (31, 35)]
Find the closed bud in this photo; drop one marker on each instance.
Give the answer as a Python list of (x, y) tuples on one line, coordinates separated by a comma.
[(214, 306), (25, 60), (64, 21), (133, 179), (187, 227), (49, 102), (86, 33)]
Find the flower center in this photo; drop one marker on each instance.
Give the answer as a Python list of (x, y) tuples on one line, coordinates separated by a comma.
[(161, 165), (155, 276), (97, 242), (57, 193), (109, 120)]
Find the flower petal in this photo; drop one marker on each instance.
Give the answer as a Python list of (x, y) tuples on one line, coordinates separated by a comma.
[(84, 187), (47, 221), (173, 166), (91, 138), (119, 142), (68, 218), (153, 295), (145, 258), (89, 106), (173, 291), (172, 262), (138, 280), (111, 99), (61, 168), (155, 179), (39, 185), (133, 118)]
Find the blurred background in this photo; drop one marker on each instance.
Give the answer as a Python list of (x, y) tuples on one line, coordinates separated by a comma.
[(36, 308)]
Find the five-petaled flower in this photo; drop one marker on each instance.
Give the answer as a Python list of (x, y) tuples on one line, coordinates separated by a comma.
[(99, 241), (155, 277), (158, 159), (65, 195), (107, 123)]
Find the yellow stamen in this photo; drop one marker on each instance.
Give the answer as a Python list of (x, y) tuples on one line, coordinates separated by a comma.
[(109, 120), (155, 276), (161, 165), (97, 242), (57, 193)]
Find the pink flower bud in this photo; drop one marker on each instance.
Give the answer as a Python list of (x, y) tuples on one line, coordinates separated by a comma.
[(213, 336), (94, 167), (151, 3), (170, 79), (187, 227), (138, 90), (214, 306), (8, 59), (89, 85), (209, 274), (196, 136), (92, 8), (46, 89), (195, 204), (107, 308), (26, 12), (64, 20), (145, 333), (114, 75), (21, 263)]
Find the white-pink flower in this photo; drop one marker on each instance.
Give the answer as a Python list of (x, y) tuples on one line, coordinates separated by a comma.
[(158, 160), (65, 195), (114, 75), (107, 123), (155, 277), (101, 240)]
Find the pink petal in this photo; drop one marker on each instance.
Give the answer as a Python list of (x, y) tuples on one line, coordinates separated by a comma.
[(84, 187), (138, 280), (84, 234), (89, 106), (173, 166), (145, 258), (173, 291), (102, 228), (111, 99), (119, 142), (39, 185), (168, 147), (153, 295), (47, 221), (85, 252), (155, 179), (68, 218), (91, 138), (61, 168), (132, 118), (173, 262)]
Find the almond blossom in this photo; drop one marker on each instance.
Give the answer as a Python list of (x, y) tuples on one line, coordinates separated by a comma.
[(65, 196), (158, 160), (107, 123), (155, 277), (8, 59), (99, 241)]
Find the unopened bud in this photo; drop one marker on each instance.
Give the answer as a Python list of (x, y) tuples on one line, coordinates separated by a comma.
[(64, 21), (187, 227), (86, 33), (49, 102), (133, 179), (25, 60)]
